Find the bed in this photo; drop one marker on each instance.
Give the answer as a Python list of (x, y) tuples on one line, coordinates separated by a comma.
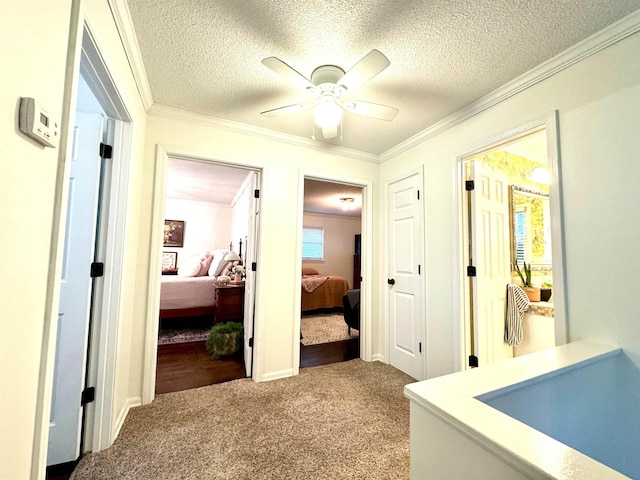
[(190, 291), (186, 296), (322, 292)]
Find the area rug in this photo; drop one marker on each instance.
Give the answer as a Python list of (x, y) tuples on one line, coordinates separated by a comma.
[(167, 336), (344, 421), (325, 328)]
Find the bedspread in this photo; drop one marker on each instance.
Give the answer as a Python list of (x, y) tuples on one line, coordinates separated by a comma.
[(328, 295)]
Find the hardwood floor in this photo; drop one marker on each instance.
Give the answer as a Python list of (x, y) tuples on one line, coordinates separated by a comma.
[(183, 366), (325, 353)]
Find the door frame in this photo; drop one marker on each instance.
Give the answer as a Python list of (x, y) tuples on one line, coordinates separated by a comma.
[(551, 125), (100, 430), (384, 267), (161, 169), (366, 335)]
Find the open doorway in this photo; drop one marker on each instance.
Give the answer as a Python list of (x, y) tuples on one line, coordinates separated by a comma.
[(510, 223), (210, 229), (331, 272)]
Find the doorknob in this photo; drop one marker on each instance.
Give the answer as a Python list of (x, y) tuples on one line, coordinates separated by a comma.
[(391, 281)]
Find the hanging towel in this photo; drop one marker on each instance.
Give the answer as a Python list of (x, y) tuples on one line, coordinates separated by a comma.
[(517, 304)]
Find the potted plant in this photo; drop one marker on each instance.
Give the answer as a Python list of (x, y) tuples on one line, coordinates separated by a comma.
[(532, 292), (545, 291), (224, 339)]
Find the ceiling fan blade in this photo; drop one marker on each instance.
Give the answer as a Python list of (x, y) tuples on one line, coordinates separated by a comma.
[(330, 132), (298, 107), (373, 110), (287, 72), (368, 67)]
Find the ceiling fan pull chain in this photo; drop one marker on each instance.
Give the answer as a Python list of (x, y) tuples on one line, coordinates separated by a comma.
[(313, 129), (341, 120)]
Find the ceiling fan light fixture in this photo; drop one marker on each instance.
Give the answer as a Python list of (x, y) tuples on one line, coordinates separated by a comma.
[(327, 114)]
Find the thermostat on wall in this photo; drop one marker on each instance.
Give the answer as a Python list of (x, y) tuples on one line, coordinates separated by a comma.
[(37, 123)]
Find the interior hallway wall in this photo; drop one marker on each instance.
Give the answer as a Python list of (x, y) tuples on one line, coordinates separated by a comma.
[(598, 100), (36, 67), (282, 165)]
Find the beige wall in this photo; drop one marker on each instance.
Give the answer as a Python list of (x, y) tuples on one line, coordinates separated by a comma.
[(598, 101), (339, 232)]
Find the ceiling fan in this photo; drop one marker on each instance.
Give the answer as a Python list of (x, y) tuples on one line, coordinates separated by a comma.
[(328, 84)]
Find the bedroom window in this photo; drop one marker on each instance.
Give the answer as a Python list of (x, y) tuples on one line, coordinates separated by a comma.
[(312, 243)]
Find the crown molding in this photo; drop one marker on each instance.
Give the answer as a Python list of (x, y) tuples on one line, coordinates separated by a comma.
[(174, 113), (606, 37), (124, 25)]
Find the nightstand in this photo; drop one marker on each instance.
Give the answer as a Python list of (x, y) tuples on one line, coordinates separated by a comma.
[(229, 303)]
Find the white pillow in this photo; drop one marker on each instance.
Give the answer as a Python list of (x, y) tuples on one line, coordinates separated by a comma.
[(190, 268), (218, 256)]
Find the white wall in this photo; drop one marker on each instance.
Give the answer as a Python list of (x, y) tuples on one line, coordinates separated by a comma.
[(339, 232), (207, 226), (29, 192), (283, 168), (598, 101)]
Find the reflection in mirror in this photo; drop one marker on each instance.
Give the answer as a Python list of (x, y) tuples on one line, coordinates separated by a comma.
[(530, 227)]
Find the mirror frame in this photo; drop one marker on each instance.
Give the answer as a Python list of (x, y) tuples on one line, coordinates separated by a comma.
[(513, 189)]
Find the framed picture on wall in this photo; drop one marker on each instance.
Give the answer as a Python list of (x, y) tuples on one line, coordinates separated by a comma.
[(169, 260), (173, 233)]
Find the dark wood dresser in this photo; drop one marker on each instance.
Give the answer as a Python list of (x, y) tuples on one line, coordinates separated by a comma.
[(229, 303)]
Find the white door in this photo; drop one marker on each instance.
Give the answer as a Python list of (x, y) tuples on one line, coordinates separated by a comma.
[(405, 283), (490, 252), (75, 291), (250, 280)]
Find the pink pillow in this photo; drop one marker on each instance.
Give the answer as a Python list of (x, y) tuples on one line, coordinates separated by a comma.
[(204, 265)]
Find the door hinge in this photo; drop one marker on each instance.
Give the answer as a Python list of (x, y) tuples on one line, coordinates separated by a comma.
[(473, 361), (418, 191), (88, 395), (97, 269), (469, 185), (251, 342), (254, 266), (256, 193), (106, 151), (471, 271), (419, 270), (420, 347)]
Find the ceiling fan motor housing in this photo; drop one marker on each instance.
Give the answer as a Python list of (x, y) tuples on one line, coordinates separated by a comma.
[(326, 74)]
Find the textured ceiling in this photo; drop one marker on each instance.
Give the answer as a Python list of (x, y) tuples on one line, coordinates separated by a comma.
[(208, 182), (205, 56)]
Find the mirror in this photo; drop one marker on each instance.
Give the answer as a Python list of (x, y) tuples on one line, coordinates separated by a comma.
[(530, 227)]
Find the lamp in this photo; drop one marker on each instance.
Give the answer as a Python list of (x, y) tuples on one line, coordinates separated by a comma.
[(237, 269), (232, 257), (327, 113)]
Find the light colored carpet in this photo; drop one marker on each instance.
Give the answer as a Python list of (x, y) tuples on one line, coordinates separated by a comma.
[(323, 328), (347, 420)]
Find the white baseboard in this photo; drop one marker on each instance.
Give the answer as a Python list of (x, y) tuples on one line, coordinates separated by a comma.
[(276, 375), (378, 357), (129, 404)]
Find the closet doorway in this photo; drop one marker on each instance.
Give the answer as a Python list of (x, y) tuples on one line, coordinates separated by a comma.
[(331, 272)]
